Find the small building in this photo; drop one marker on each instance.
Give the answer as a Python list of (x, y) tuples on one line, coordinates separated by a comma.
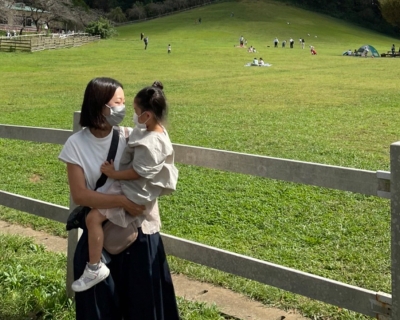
[(19, 15)]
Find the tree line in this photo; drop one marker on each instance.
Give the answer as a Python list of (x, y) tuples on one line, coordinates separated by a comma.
[(136, 10), (380, 15)]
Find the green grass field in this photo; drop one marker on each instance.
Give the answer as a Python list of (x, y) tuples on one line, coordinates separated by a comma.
[(326, 108)]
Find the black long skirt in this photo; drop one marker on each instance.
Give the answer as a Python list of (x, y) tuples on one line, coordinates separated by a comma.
[(139, 286)]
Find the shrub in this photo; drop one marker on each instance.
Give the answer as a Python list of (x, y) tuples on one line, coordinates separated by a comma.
[(101, 27)]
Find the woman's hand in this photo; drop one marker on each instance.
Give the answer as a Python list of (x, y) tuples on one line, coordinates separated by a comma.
[(132, 208)]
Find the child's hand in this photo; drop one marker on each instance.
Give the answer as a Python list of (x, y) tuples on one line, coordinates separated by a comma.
[(108, 168)]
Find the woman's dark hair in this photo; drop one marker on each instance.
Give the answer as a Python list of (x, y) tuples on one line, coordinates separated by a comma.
[(152, 99), (99, 92)]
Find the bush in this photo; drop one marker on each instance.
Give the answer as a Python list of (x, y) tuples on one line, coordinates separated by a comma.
[(101, 27)]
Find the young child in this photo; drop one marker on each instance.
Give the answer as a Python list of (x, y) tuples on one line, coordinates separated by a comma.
[(146, 172), (169, 49)]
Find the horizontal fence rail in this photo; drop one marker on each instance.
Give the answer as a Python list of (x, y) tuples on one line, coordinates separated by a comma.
[(34, 134), (367, 302), (309, 285), (34, 206), (334, 177), (315, 174)]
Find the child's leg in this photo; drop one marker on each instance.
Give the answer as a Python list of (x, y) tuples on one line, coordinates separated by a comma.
[(94, 221), (95, 270)]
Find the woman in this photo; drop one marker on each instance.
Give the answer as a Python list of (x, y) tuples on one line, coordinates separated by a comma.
[(140, 284)]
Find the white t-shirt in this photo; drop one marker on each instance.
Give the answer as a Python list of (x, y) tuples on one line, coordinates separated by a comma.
[(89, 152)]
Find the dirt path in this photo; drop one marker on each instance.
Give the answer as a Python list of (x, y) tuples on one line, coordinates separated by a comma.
[(227, 301)]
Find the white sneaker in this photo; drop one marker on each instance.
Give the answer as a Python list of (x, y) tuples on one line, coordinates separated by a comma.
[(90, 278)]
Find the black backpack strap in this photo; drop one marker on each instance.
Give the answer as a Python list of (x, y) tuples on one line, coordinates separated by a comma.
[(111, 156)]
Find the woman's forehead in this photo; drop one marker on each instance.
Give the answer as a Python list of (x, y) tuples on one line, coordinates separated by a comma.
[(119, 93)]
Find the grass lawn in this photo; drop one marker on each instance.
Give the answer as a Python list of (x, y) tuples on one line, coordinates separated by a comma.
[(326, 108), (32, 282)]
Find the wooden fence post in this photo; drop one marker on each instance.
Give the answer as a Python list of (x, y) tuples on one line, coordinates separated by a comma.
[(395, 226), (73, 235)]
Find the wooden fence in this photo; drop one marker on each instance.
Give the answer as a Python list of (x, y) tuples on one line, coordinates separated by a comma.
[(43, 42), (380, 183)]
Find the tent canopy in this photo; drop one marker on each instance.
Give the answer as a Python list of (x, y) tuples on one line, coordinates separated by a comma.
[(371, 49)]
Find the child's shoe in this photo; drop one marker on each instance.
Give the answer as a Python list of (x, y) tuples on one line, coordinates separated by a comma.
[(90, 278)]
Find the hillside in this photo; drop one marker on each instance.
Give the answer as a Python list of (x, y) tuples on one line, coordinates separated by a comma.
[(325, 108)]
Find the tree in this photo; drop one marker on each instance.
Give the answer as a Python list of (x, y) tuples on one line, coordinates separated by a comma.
[(390, 10), (116, 15), (137, 12), (104, 5), (65, 11), (45, 11), (5, 9)]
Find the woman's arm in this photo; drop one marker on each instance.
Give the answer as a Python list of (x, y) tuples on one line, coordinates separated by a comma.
[(108, 169), (83, 196)]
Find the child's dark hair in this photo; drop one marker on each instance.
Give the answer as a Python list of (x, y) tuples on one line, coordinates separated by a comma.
[(152, 99)]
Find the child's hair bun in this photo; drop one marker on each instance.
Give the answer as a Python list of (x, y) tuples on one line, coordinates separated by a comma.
[(158, 84)]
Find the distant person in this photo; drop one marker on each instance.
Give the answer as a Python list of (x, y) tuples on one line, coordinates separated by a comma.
[(241, 41), (365, 52), (169, 49), (302, 43), (141, 36), (283, 43), (349, 52), (254, 50), (291, 42), (146, 42), (250, 49), (393, 49), (355, 52), (255, 62), (261, 62), (199, 20), (276, 41), (313, 52)]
